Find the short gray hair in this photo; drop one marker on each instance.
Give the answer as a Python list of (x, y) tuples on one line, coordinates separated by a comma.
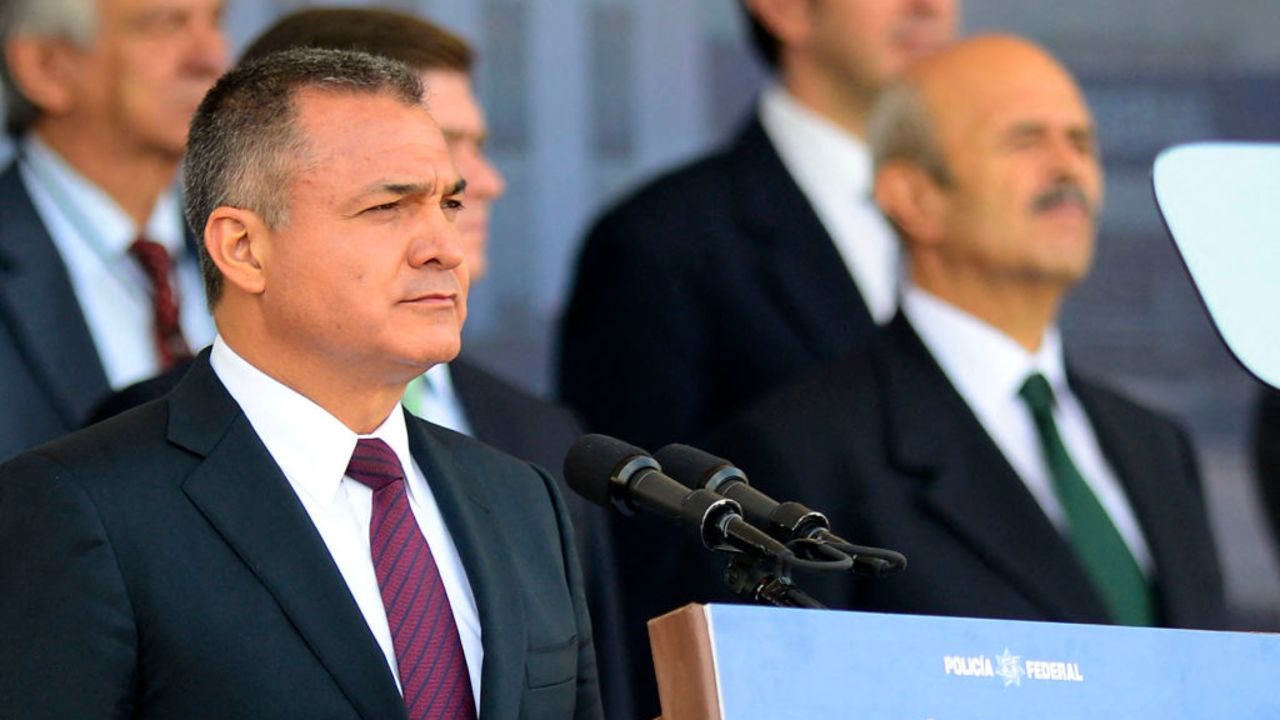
[(244, 146), (73, 20), (900, 128)]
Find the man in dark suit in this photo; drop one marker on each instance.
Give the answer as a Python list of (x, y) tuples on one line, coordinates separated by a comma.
[(724, 279), (98, 280), (1016, 488), (459, 395), (277, 538)]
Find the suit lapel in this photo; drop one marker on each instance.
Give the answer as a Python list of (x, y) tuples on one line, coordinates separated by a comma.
[(246, 498), (40, 311), (799, 260), (1165, 509), (970, 486), (465, 502)]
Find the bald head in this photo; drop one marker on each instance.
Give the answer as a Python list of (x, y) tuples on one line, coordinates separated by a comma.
[(985, 161), (975, 82)]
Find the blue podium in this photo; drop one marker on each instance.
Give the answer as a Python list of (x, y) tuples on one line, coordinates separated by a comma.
[(740, 662)]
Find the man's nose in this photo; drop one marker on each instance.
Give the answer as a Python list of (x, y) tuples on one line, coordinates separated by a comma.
[(484, 181), (207, 53), (436, 240)]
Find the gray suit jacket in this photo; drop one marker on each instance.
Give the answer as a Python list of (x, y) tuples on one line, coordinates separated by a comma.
[(158, 565)]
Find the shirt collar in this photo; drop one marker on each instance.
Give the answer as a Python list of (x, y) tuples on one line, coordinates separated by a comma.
[(90, 209), (983, 363), (821, 156), (439, 381), (311, 446)]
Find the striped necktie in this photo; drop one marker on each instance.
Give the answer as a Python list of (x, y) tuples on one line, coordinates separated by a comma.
[(433, 668), (154, 259)]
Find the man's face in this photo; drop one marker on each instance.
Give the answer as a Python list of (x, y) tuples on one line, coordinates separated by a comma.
[(148, 68), (868, 43), (454, 106), (367, 275), (1026, 180)]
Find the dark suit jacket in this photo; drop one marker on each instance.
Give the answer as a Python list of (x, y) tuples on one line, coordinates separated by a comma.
[(541, 432), (531, 429), (883, 443), (692, 298), (50, 375), (701, 292), (159, 565)]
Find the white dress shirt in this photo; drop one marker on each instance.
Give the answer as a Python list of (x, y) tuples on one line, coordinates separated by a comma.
[(833, 170), (988, 369), (93, 235), (313, 449)]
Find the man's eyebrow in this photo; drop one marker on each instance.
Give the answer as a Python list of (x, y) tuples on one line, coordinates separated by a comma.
[(455, 135), (399, 188), (412, 188), (1026, 128)]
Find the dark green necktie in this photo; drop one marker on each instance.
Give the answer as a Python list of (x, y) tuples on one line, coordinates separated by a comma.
[(1097, 543)]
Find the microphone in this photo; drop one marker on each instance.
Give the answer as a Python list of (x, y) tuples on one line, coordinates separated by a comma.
[(785, 521), (608, 471)]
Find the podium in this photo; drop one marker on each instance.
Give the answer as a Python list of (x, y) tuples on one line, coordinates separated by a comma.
[(739, 662)]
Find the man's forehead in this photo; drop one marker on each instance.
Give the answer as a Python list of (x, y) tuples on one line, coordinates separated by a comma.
[(1049, 98), (134, 7), (376, 130), (1032, 108), (452, 102), (323, 108)]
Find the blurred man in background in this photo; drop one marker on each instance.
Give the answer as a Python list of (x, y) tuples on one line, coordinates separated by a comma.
[(728, 277), (964, 439), (98, 281)]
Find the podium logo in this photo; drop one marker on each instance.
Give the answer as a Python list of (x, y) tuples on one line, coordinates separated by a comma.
[(1010, 668)]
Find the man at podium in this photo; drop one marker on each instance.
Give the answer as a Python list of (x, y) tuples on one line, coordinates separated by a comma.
[(965, 439)]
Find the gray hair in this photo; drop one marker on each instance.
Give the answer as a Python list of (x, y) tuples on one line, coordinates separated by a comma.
[(73, 20), (900, 128), (244, 147)]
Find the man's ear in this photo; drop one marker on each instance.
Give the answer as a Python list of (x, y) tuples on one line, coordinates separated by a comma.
[(42, 72), (787, 20), (913, 201), (239, 243)]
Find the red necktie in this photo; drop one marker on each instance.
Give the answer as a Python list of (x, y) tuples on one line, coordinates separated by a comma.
[(433, 669), (155, 262)]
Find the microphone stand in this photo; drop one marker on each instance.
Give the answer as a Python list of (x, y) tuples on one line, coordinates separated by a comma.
[(767, 582)]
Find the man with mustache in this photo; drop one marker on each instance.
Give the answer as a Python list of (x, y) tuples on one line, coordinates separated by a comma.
[(964, 439)]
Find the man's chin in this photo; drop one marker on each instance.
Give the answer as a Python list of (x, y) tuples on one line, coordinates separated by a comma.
[(435, 354)]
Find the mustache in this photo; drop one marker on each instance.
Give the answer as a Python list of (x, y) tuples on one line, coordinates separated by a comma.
[(1060, 194)]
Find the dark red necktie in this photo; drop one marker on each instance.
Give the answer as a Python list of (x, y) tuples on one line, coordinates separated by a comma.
[(155, 262), (433, 669)]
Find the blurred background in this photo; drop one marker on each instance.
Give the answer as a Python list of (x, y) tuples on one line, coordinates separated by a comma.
[(587, 98)]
